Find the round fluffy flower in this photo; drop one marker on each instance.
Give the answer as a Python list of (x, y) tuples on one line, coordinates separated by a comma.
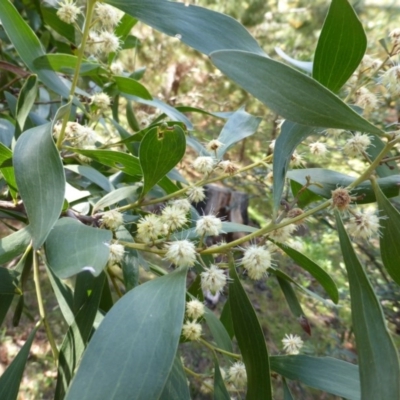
[(292, 344), (92, 45), (256, 261), (214, 145), (204, 165), (182, 204), (341, 199), (191, 330), (116, 255), (391, 79), (208, 225), (117, 68), (365, 99), (68, 11), (194, 309), (196, 194), (296, 160), (174, 217), (357, 144), (364, 225), (318, 149), (108, 15), (228, 167), (112, 219), (213, 279), (237, 374), (101, 100), (394, 36), (182, 253), (109, 43), (87, 136), (283, 234), (150, 227)]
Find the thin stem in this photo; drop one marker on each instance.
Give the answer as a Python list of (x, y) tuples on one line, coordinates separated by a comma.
[(214, 349), (114, 283), (79, 59), (142, 247), (263, 231), (185, 189), (190, 372), (42, 312)]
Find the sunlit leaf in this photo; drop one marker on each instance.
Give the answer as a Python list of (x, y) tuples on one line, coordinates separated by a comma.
[(289, 93), (132, 352), (341, 46), (41, 181), (133, 87), (25, 102), (198, 27), (306, 66), (377, 355), (116, 196)]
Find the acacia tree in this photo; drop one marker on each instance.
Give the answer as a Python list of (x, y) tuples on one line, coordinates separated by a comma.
[(80, 183)]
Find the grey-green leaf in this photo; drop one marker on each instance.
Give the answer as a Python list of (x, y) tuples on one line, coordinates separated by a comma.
[(220, 391), (329, 180), (291, 136), (41, 181), (176, 386), (325, 373), (116, 196), (289, 93), (250, 338), (73, 247), (341, 46), (218, 331), (131, 354), (11, 378), (133, 87), (25, 101), (198, 27), (390, 234), (159, 152), (13, 245), (377, 355)]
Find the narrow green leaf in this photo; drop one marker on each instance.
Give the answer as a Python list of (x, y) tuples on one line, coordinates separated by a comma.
[(239, 126), (330, 180), (5, 304), (220, 392), (198, 27), (7, 130), (159, 152), (28, 46), (286, 391), (314, 269), (131, 354), (289, 93), (13, 245), (9, 281), (341, 46), (115, 159), (11, 378), (291, 136), (41, 181), (386, 169), (218, 331), (226, 319), (66, 63), (250, 338), (25, 102), (85, 248), (64, 296), (176, 386), (133, 87), (293, 303), (377, 354), (116, 196), (390, 234), (77, 336), (325, 373), (7, 170)]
